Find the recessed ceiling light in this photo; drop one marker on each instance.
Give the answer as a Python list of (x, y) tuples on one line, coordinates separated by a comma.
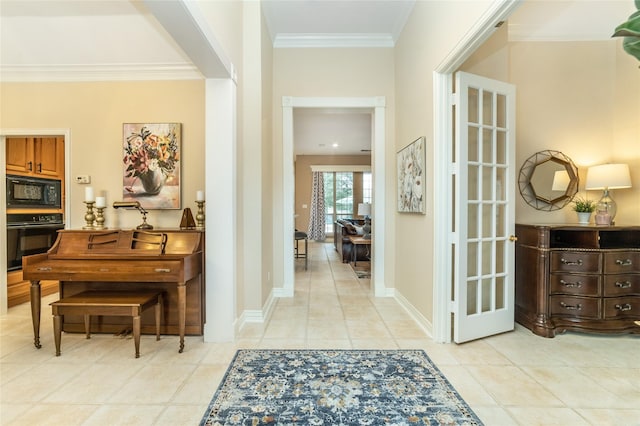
[(335, 145)]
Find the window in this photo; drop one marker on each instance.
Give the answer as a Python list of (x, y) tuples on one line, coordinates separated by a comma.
[(342, 193)]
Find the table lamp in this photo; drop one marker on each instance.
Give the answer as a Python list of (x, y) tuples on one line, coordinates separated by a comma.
[(606, 177), (364, 209)]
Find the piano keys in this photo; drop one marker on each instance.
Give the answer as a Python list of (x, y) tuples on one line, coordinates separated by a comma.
[(171, 261)]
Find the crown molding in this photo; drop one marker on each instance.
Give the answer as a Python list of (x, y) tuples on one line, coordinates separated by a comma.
[(333, 40), (98, 72)]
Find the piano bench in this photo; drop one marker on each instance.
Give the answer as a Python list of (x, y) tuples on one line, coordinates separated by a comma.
[(111, 303)]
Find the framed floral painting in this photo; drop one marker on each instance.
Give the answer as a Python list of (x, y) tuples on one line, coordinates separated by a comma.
[(411, 177), (152, 164)]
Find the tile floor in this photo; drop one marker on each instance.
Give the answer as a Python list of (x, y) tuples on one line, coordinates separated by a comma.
[(511, 379)]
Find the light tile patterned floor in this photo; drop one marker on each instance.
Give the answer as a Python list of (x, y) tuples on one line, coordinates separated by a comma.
[(515, 378)]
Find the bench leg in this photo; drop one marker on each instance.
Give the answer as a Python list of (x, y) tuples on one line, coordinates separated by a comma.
[(158, 314), (136, 334), (87, 325), (57, 332)]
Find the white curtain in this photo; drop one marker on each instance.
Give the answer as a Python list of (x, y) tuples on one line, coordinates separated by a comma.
[(316, 221)]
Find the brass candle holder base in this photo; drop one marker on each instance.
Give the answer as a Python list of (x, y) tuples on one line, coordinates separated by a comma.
[(89, 217), (100, 218), (200, 215)]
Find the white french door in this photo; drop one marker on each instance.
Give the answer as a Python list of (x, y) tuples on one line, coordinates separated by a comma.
[(485, 207)]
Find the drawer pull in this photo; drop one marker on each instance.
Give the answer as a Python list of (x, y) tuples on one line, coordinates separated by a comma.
[(571, 263), (577, 284), (625, 307), (163, 270), (45, 268), (623, 284), (577, 307), (625, 262)]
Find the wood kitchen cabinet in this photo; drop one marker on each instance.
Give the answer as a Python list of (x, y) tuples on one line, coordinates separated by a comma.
[(41, 156), (578, 278)]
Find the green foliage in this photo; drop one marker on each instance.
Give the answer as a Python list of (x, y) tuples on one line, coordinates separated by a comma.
[(630, 30), (583, 205)]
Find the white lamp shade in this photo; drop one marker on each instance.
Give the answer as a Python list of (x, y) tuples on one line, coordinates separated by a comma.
[(364, 209), (611, 176)]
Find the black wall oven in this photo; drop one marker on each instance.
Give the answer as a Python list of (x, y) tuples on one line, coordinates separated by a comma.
[(30, 233), (33, 193)]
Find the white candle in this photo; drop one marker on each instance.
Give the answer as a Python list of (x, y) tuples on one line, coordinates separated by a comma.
[(88, 194), (200, 195), (101, 202)]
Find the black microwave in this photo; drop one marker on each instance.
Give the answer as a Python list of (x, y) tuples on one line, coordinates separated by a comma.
[(29, 193)]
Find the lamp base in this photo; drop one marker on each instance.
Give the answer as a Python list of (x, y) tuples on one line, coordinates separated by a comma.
[(606, 209)]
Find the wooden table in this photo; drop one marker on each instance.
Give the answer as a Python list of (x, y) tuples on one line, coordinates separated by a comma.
[(357, 240)]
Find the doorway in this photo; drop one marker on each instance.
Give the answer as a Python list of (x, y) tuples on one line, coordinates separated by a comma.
[(378, 157), (443, 157), (4, 133)]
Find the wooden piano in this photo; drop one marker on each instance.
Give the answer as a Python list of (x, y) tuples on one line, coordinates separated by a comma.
[(170, 261)]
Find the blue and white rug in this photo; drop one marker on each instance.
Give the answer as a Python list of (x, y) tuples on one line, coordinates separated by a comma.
[(336, 387)]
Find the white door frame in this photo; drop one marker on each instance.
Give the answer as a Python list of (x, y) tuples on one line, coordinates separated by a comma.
[(442, 164), (377, 104)]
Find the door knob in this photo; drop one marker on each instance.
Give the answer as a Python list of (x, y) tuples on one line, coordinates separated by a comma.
[(513, 238)]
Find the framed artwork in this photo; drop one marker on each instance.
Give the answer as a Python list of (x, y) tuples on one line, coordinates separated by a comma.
[(411, 177), (151, 173)]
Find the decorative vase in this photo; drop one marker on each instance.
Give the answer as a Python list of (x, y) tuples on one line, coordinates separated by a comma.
[(584, 217), (152, 181)]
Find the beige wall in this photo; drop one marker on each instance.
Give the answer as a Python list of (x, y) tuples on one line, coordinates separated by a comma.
[(586, 106), (266, 126), (94, 113), (304, 180)]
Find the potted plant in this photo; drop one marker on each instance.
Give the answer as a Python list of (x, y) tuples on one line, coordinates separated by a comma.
[(584, 207), (630, 30)]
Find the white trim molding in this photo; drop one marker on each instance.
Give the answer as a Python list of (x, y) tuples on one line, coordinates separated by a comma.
[(332, 40), (339, 168), (99, 72)]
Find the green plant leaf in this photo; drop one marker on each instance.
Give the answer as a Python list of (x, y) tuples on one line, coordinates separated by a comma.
[(630, 28), (631, 45)]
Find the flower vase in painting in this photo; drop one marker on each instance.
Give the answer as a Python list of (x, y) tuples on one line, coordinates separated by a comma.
[(151, 165)]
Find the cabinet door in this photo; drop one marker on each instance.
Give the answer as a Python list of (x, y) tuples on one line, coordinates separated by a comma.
[(49, 156), (20, 156)]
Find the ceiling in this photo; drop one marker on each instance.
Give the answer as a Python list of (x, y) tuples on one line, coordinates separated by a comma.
[(81, 40)]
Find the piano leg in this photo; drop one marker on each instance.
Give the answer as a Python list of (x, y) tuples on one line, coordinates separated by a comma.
[(34, 294), (182, 312)]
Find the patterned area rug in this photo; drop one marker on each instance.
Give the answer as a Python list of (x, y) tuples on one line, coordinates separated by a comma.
[(336, 387), (362, 269)]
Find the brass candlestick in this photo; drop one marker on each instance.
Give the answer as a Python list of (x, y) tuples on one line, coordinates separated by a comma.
[(100, 218), (89, 217), (200, 215)]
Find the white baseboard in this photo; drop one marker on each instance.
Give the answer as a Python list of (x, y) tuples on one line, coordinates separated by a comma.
[(256, 316), (424, 323)]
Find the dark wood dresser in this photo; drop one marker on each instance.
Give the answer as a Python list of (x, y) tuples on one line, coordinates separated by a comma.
[(578, 278)]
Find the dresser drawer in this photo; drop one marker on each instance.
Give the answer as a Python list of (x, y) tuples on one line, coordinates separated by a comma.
[(622, 285), (622, 307), (575, 261), (582, 307), (580, 285), (621, 262)]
